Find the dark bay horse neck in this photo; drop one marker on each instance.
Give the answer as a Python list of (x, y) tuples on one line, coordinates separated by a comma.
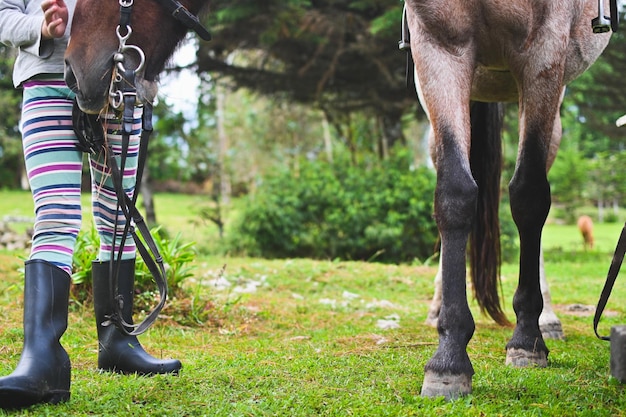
[(469, 55), (94, 41)]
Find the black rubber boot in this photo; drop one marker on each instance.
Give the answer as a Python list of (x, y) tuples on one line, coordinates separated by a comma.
[(118, 352), (43, 372)]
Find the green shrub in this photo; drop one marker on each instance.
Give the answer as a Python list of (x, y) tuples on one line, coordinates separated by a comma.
[(177, 257), (381, 213), (509, 238)]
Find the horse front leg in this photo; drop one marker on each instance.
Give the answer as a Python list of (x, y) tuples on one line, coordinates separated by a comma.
[(449, 372)]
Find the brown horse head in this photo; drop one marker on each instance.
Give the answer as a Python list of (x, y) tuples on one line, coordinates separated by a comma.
[(89, 59)]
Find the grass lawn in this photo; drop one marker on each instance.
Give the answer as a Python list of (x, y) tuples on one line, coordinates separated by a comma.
[(304, 338)]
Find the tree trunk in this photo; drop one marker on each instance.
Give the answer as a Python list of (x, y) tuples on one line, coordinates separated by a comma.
[(148, 199), (328, 144), (392, 133), (224, 182), (600, 210)]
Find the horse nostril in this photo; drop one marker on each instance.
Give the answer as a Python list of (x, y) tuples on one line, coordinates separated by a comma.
[(70, 78)]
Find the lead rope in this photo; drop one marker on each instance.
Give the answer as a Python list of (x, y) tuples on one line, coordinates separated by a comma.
[(603, 24)]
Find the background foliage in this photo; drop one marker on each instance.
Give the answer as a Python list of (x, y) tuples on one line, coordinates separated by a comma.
[(381, 212), (301, 83)]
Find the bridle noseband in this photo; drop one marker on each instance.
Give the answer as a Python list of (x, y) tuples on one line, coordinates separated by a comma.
[(123, 98)]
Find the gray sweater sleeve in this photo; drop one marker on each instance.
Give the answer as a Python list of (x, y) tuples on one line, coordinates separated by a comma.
[(20, 27)]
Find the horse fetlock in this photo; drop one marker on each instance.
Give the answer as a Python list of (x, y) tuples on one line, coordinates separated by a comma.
[(550, 326), (522, 358), (447, 385), (432, 319)]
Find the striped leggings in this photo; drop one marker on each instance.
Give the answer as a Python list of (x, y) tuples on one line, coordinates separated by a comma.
[(54, 169)]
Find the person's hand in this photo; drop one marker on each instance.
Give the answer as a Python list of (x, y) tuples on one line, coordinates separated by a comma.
[(55, 20)]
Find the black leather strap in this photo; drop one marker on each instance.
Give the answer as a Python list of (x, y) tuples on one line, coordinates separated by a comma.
[(614, 15), (180, 13), (147, 248), (616, 264), (88, 130), (405, 45)]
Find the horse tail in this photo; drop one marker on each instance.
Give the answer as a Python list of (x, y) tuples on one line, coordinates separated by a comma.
[(484, 241)]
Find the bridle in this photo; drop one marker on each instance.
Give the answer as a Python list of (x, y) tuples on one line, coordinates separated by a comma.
[(123, 99), (122, 87)]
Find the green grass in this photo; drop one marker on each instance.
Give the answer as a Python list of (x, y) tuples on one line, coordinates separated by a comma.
[(306, 342)]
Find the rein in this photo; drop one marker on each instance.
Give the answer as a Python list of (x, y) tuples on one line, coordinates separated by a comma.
[(616, 263), (89, 130), (603, 24)]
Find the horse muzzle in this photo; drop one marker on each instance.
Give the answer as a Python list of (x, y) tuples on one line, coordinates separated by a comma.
[(91, 92), (95, 93)]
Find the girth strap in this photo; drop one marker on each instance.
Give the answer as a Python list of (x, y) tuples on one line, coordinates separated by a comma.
[(616, 264)]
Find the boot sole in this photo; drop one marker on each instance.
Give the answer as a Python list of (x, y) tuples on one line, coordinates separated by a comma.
[(13, 399)]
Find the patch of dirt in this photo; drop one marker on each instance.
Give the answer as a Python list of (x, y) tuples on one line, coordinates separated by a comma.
[(582, 310)]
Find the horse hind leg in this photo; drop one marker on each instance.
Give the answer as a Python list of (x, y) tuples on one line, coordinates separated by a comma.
[(435, 305), (549, 323)]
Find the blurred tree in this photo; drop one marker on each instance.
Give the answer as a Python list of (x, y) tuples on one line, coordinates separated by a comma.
[(596, 100), (341, 56), (11, 160)]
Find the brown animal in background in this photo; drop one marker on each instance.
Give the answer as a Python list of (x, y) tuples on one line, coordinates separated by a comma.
[(585, 225)]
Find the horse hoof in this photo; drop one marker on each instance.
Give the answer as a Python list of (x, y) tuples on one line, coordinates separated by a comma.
[(521, 358), (553, 331), (431, 321), (446, 385)]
